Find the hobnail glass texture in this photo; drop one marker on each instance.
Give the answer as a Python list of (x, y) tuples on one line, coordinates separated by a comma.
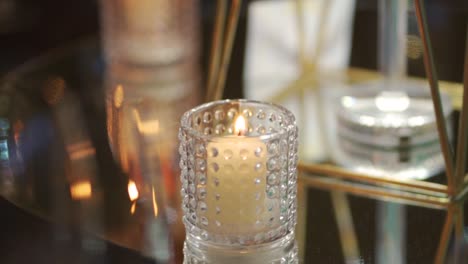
[(238, 191)]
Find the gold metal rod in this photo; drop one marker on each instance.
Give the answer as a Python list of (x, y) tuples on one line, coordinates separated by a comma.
[(333, 171), (462, 127), (378, 193), (346, 228), (216, 47), (228, 44), (459, 223), (431, 75), (462, 194), (444, 238)]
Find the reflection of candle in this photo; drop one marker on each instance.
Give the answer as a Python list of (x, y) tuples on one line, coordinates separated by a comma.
[(235, 184), (150, 30), (144, 15), (81, 190), (132, 191)]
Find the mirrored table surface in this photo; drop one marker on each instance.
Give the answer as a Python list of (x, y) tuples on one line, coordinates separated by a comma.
[(89, 170)]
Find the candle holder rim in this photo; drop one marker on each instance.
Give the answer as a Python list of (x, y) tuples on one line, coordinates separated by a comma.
[(185, 123)]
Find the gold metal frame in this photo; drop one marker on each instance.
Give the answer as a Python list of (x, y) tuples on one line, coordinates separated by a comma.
[(449, 197)]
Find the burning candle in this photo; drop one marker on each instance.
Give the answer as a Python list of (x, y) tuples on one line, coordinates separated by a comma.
[(238, 162), (235, 183)]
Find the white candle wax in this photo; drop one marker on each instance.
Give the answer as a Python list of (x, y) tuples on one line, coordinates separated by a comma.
[(235, 187), (234, 190)]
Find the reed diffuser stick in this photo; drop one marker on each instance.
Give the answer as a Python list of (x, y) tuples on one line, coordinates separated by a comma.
[(227, 48), (216, 47)]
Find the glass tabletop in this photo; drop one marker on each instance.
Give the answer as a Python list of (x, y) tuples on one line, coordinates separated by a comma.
[(95, 148)]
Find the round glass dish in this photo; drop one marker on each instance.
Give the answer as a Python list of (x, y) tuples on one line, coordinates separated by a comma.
[(390, 133)]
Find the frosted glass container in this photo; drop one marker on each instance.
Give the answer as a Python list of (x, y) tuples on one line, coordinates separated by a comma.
[(149, 33)]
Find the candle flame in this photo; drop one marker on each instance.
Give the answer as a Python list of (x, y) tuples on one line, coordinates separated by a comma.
[(132, 190), (240, 126)]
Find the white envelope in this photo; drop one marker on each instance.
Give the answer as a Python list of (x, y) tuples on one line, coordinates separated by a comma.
[(272, 57)]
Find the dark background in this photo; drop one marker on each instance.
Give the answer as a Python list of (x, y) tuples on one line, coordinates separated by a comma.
[(29, 28)]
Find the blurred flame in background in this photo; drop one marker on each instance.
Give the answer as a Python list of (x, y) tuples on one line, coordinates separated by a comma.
[(155, 204), (144, 106), (118, 96), (81, 190), (132, 190)]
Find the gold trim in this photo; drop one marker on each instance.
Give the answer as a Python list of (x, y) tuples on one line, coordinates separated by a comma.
[(444, 238), (408, 185), (379, 193)]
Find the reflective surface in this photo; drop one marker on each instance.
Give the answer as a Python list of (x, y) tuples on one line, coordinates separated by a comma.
[(389, 133), (58, 162)]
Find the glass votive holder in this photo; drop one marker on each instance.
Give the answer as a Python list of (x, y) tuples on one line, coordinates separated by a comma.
[(239, 182)]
